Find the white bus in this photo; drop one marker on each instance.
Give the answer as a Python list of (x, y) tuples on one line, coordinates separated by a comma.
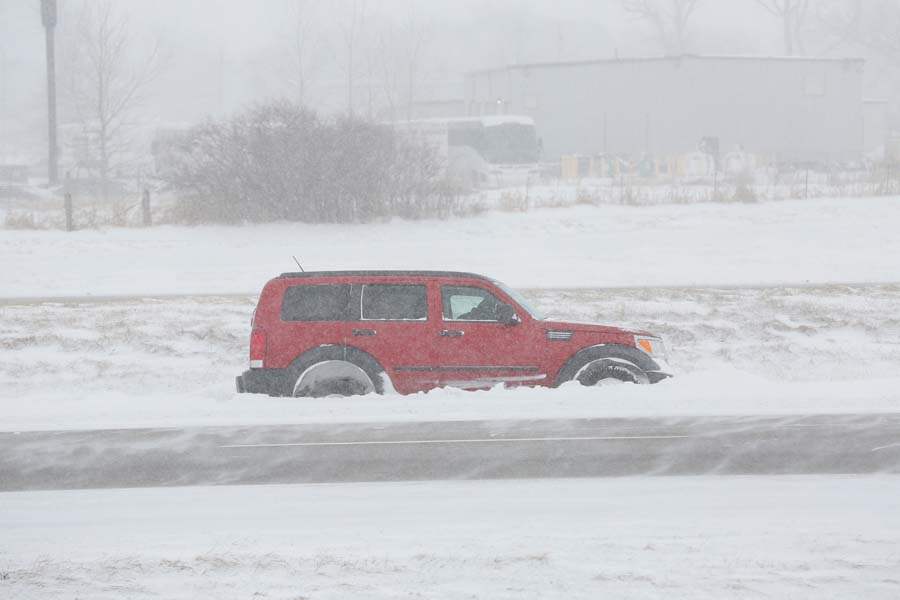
[(491, 151)]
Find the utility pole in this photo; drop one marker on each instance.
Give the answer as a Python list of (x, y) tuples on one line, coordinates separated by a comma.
[(3, 96), (48, 15)]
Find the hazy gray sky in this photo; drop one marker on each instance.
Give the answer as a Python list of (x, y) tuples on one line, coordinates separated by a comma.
[(223, 54)]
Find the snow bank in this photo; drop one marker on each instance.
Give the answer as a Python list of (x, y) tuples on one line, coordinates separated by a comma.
[(813, 241), (704, 537), (702, 393)]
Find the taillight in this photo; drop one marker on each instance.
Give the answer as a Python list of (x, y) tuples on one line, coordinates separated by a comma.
[(257, 348)]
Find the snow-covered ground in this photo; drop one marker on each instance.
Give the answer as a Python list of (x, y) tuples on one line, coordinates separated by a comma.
[(794, 242), (810, 346), (686, 537), (172, 361)]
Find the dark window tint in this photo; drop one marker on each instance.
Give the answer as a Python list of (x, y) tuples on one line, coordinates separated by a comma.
[(395, 302), (316, 303), (468, 304)]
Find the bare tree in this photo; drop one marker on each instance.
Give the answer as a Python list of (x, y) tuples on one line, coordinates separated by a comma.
[(415, 35), (388, 73), (401, 49), (668, 19), (106, 85), (793, 15), (304, 43), (880, 30), (352, 23), (872, 26), (838, 22)]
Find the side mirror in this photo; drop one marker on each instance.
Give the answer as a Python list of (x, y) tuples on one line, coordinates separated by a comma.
[(506, 314)]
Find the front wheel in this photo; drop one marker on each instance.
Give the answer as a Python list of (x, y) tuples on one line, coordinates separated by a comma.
[(610, 371)]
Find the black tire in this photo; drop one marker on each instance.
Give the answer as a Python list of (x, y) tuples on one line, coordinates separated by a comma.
[(603, 370), (594, 365), (344, 386), (340, 387)]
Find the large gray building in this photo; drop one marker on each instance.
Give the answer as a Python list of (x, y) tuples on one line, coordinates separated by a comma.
[(792, 109)]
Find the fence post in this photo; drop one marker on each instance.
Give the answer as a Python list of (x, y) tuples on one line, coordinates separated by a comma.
[(145, 208), (67, 202)]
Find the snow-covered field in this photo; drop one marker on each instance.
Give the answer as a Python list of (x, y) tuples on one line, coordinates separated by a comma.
[(805, 343), (685, 537), (799, 347), (792, 242), (172, 361)]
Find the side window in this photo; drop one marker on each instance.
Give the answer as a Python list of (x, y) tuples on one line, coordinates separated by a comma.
[(317, 303), (468, 304), (394, 303)]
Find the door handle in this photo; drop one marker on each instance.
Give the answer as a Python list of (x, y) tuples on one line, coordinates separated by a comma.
[(364, 332), (452, 333)]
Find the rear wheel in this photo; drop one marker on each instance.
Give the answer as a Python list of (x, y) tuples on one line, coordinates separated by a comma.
[(333, 378)]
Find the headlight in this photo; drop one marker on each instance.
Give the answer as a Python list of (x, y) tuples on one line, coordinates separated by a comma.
[(653, 346)]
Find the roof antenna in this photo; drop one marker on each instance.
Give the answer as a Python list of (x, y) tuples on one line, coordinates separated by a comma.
[(298, 264)]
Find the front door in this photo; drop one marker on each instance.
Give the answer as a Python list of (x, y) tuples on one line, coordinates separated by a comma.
[(474, 350)]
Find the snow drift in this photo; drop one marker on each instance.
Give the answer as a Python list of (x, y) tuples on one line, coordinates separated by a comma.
[(172, 361)]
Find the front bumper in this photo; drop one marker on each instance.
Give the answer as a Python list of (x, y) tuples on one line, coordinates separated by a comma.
[(261, 381), (657, 376), (660, 371)]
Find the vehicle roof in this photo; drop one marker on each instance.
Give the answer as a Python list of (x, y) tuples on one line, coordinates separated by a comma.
[(384, 273)]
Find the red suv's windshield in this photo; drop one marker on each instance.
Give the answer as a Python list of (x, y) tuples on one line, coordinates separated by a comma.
[(535, 314)]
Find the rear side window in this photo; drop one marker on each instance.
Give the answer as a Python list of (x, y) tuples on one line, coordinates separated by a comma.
[(317, 303), (395, 303)]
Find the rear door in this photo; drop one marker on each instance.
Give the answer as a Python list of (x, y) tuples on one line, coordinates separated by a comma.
[(394, 327), (474, 350)]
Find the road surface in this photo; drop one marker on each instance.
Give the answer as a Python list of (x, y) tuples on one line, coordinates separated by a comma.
[(835, 444)]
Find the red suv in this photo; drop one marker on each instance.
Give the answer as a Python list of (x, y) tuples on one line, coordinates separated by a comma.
[(356, 332)]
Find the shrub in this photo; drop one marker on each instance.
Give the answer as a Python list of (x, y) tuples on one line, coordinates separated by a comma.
[(743, 190), (283, 162), (514, 201), (20, 220)]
